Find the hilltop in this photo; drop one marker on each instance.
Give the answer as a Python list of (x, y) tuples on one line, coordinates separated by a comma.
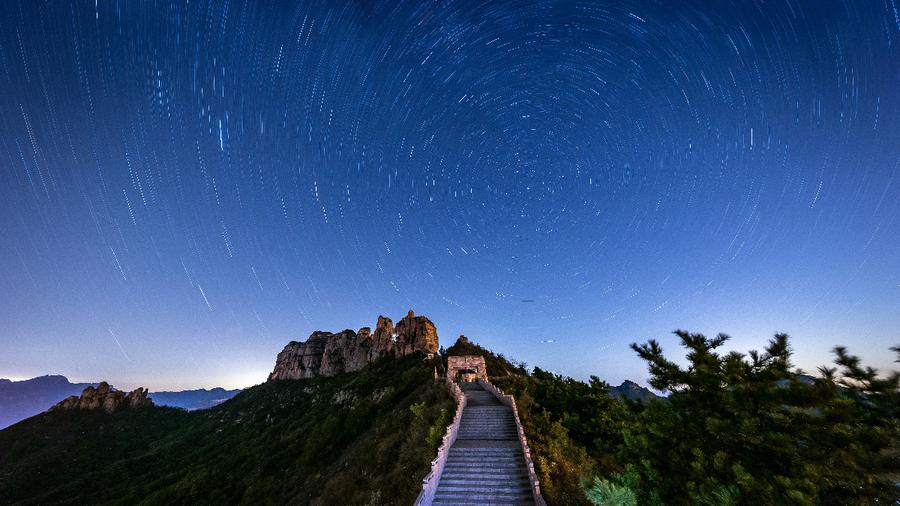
[(348, 437), (343, 439)]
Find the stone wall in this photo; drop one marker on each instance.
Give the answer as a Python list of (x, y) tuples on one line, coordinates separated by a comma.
[(430, 482)]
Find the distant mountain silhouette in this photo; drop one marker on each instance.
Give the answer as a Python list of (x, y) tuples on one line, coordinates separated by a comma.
[(193, 399), (23, 399), (632, 391)]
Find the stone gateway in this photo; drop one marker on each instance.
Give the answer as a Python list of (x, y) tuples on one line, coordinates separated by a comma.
[(466, 368)]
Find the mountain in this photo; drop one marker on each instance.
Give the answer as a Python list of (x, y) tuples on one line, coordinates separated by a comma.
[(193, 399), (348, 439), (367, 436), (22, 399), (346, 418), (632, 391), (360, 437)]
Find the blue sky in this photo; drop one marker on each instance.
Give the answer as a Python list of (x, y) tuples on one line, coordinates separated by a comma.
[(186, 188)]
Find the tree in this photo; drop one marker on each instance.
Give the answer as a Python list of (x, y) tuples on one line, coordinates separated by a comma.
[(744, 429)]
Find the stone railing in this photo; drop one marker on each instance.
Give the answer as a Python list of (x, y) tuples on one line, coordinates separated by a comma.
[(430, 482), (510, 401)]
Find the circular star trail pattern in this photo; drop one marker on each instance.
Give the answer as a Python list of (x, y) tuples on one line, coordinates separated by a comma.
[(187, 186)]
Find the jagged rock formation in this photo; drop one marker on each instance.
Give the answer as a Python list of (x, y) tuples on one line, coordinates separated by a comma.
[(327, 354), (106, 398)]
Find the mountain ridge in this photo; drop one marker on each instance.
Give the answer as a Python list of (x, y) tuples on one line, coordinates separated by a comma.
[(22, 399), (351, 438)]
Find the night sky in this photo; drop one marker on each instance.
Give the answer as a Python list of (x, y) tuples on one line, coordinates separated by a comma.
[(187, 186)]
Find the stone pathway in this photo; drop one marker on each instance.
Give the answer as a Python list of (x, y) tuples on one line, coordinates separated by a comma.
[(486, 464)]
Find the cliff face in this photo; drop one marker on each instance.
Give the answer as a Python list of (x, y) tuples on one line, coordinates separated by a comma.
[(327, 354), (105, 398)]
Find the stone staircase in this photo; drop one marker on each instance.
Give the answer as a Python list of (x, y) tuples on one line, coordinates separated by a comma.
[(485, 464)]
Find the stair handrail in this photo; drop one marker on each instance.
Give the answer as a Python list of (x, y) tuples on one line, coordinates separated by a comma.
[(510, 401), (430, 482)]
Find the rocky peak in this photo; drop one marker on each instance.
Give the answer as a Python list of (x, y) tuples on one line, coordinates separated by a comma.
[(631, 390), (327, 354), (106, 398), (416, 333)]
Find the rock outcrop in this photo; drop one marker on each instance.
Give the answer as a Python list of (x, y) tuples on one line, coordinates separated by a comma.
[(327, 354), (106, 398)]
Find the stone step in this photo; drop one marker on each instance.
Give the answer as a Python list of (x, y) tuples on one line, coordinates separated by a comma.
[(469, 457), (484, 474), (496, 462), (485, 450), (459, 497), (487, 435), (516, 481), (487, 471), (474, 464), (521, 487), (486, 465), (493, 468), (479, 457), (464, 490), (493, 472), (485, 493), (462, 502), (449, 502)]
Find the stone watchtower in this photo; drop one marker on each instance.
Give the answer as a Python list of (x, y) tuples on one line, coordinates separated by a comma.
[(466, 368)]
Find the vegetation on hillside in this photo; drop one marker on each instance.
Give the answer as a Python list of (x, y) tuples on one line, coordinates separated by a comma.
[(744, 429), (735, 429), (359, 438)]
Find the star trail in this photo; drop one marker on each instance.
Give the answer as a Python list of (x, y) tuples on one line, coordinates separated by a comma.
[(186, 186)]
